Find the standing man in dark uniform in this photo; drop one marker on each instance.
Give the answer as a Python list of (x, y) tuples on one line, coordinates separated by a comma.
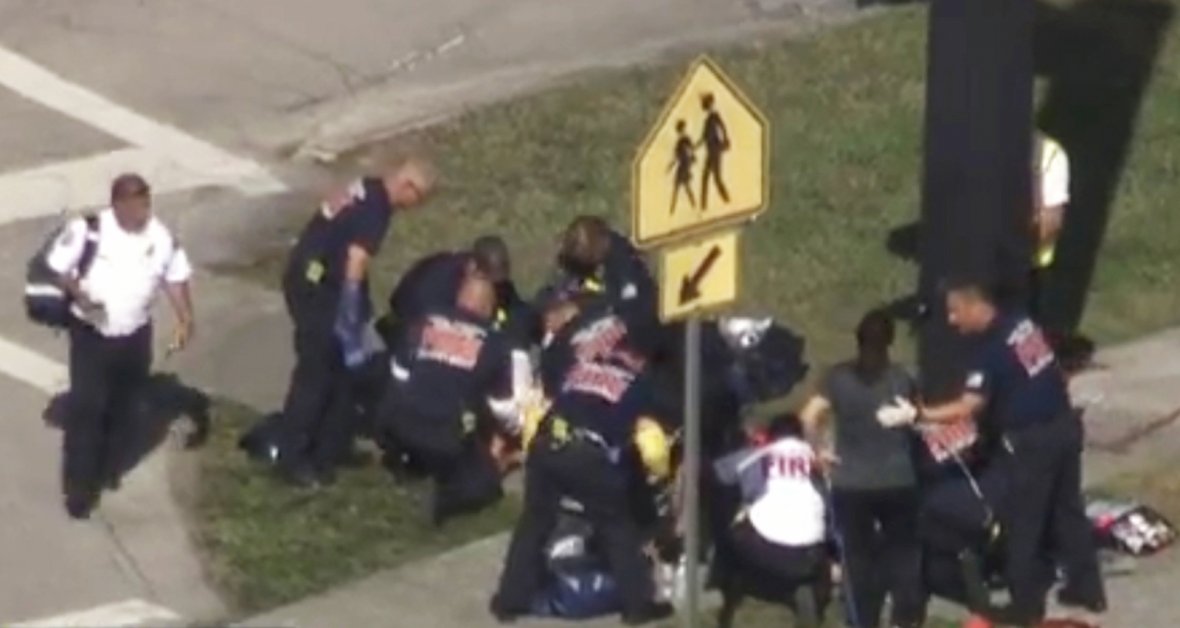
[(579, 453), (1016, 383), (325, 286), (451, 370), (602, 261)]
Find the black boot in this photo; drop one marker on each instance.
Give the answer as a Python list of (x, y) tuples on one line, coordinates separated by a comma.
[(79, 505)]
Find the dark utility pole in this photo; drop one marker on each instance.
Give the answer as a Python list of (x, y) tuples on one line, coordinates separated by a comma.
[(976, 195)]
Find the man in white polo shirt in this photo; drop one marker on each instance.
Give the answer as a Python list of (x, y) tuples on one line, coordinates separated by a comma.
[(111, 336)]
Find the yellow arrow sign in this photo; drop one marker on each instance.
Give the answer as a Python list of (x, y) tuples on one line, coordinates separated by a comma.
[(698, 276), (704, 163)]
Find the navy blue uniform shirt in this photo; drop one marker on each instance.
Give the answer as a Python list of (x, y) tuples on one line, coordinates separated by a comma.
[(316, 267), (449, 363), (1015, 370), (623, 280), (433, 282), (629, 283), (606, 396), (593, 334)]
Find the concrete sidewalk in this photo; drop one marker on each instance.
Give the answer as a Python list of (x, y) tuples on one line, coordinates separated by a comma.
[(133, 561), (1141, 383)]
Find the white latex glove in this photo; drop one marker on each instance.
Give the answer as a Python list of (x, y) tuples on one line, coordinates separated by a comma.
[(897, 413)]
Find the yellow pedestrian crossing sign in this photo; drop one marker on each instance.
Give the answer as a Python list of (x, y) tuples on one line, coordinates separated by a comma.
[(705, 162), (699, 276)]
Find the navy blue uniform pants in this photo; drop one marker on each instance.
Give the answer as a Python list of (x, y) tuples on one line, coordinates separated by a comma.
[(466, 478), (1045, 511), (582, 472), (318, 421), (106, 376)]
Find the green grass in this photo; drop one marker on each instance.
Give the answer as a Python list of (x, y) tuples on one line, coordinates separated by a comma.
[(1158, 487), (846, 108), (846, 111), (268, 544)]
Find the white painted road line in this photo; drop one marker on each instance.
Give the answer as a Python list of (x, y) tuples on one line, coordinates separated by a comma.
[(128, 613), (171, 159), (32, 368)]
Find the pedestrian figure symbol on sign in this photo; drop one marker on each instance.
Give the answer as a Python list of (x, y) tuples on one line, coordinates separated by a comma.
[(715, 140), (682, 162)]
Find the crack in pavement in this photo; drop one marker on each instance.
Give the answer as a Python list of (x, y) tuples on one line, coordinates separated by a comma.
[(126, 560)]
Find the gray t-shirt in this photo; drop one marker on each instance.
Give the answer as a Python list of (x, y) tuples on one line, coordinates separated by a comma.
[(871, 456)]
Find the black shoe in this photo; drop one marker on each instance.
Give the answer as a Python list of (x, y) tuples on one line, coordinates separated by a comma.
[(79, 507), (1069, 599), (503, 614), (113, 483), (654, 611)]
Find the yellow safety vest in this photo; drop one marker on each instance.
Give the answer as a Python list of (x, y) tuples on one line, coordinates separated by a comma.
[(1046, 150)]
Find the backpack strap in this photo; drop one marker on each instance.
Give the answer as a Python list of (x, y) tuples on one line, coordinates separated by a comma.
[(90, 246)]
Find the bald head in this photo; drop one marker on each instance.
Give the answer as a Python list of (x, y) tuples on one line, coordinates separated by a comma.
[(477, 295), (410, 183)]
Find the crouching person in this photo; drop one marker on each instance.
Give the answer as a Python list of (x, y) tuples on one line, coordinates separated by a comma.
[(779, 538), (578, 454), (451, 372)]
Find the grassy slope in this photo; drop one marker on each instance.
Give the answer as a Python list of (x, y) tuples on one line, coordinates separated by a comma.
[(846, 111)]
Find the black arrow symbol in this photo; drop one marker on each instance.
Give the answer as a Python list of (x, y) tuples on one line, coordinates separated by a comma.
[(690, 286)]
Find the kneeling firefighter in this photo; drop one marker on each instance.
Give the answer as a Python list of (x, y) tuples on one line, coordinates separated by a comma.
[(451, 372), (580, 452)]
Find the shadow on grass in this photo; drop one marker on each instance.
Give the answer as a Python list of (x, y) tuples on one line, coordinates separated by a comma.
[(267, 545)]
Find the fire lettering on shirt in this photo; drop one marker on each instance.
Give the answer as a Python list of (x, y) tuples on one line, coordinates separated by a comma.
[(450, 342), (788, 466), (1031, 348), (599, 339), (600, 380)]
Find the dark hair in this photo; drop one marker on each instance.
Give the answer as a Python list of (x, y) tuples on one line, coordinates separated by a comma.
[(491, 256), (973, 287), (585, 244), (129, 185), (875, 330), (785, 425)]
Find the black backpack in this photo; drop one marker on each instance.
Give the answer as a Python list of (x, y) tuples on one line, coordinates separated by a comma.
[(45, 301)]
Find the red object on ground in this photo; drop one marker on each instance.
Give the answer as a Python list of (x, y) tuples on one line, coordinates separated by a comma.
[(977, 621)]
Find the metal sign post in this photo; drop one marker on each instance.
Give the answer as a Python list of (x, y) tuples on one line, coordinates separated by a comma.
[(692, 470), (692, 217)]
